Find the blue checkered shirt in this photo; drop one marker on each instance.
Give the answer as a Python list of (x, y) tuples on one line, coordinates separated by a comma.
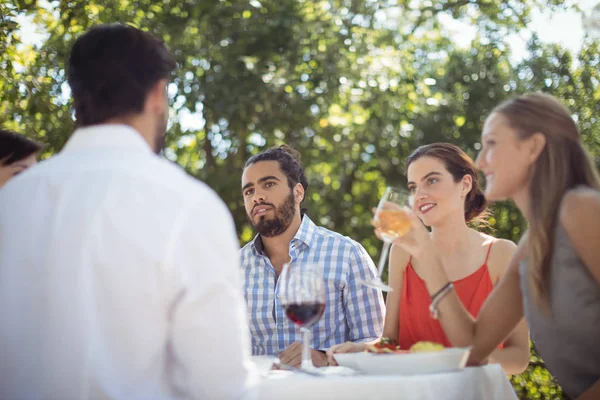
[(353, 312)]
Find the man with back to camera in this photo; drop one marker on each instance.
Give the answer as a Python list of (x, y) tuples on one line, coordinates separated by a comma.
[(119, 277)]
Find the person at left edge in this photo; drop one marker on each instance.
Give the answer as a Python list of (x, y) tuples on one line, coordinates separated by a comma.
[(17, 154), (273, 187)]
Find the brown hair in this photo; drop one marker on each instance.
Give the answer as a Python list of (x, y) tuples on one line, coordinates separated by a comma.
[(562, 165), (112, 68), (459, 164), (15, 147)]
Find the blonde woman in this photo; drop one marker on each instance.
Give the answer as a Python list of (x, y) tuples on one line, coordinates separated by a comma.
[(532, 153)]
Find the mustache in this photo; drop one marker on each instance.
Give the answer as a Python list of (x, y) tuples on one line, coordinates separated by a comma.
[(262, 204)]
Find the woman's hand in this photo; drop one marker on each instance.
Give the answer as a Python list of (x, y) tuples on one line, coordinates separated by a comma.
[(348, 347)]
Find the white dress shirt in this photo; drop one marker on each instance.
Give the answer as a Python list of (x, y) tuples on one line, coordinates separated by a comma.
[(119, 279)]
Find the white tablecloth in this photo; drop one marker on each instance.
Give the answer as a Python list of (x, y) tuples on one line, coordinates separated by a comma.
[(482, 383)]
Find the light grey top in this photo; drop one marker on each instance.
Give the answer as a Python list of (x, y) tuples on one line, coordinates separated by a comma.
[(569, 340)]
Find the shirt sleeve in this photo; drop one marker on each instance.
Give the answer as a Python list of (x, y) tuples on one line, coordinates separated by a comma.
[(209, 335), (365, 309)]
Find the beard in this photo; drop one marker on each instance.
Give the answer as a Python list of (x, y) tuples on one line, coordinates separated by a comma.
[(161, 131), (282, 219)]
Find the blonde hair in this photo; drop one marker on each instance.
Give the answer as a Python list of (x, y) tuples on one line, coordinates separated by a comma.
[(562, 165)]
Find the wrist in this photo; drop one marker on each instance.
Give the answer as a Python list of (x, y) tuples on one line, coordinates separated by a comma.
[(435, 282), (438, 297), (320, 356), (320, 353)]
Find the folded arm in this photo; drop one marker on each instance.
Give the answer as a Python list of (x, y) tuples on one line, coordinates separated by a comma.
[(499, 316)]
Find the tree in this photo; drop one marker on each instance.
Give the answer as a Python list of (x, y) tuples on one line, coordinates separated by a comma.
[(354, 85)]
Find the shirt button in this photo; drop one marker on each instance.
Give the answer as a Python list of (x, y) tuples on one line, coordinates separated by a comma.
[(280, 327), (278, 295)]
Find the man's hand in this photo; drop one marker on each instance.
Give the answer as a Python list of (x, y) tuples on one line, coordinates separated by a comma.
[(293, 356)]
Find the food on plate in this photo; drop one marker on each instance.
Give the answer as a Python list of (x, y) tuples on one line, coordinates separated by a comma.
[(385, 345), (425, 347), (389, 346)]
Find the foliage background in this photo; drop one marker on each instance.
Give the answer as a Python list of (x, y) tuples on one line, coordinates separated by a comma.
[(354, 85)]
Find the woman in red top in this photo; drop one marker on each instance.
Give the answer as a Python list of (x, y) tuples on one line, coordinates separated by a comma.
[(446, 196)]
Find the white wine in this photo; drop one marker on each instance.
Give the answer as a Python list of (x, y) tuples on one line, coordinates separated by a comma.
[(392, 223)]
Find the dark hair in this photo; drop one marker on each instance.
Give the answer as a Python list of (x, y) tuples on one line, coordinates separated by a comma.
[(111, 70), (459, 164), (15, 147), (289, 162)]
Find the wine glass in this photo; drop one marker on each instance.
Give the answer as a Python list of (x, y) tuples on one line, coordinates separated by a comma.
[(302, 295), (392, 222)]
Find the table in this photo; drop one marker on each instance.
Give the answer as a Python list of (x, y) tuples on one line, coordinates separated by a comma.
[(479, 383)]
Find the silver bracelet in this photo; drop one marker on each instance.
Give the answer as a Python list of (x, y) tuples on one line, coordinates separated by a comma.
[(437, 297)]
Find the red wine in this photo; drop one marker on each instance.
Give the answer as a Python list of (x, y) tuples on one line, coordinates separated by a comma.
[(305, 314)]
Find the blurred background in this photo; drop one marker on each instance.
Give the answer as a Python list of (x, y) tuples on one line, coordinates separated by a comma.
[(354, 85)]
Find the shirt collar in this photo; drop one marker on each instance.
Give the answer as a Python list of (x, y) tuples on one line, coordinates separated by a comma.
[(107, 136), (305, 235)]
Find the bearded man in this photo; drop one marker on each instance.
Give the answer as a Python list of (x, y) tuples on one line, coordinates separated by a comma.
[(273, 187)]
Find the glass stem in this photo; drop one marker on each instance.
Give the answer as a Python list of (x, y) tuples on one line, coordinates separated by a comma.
[(383, 257), (306, 358)]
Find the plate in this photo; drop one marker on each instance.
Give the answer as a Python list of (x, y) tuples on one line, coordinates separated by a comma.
[(348, 360), (449, 359)]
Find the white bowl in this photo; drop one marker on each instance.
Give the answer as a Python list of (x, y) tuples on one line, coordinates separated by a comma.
[(449, 359), (347, 360)]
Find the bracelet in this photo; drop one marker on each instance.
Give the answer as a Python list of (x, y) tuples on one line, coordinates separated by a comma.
[(437, 297), (436, 294)]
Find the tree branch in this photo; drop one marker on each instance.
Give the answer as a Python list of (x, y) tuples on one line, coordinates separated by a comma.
[(435, 12)]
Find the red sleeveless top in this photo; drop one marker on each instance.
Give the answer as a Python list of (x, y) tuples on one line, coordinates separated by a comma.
[(415, 322)]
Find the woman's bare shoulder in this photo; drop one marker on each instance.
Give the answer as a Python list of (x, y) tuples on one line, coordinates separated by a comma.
[(504, 246), (500, 254), (399, 257), (579, 207)]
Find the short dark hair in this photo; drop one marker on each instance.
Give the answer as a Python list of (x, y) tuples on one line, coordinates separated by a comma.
[(15, 147), (289, 162), (112, 68), (458, 164)]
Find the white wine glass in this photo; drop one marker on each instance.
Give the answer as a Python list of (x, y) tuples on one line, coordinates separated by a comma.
[(392, 222)]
